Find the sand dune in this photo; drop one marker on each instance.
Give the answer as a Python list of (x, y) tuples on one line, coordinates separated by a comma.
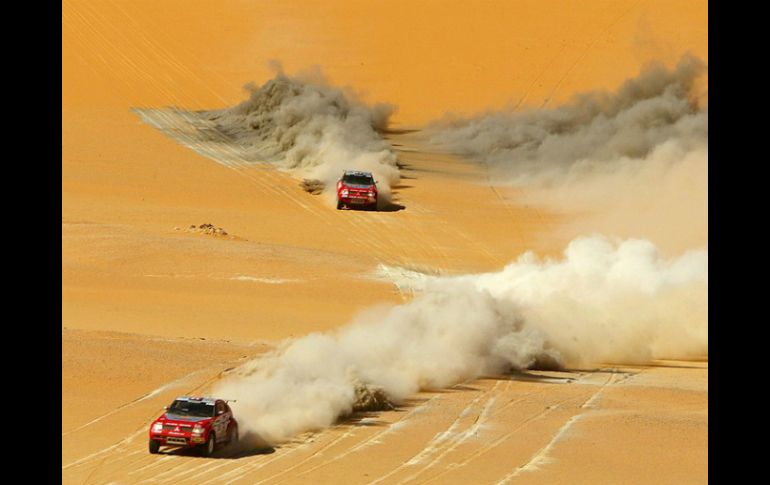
[(151, 310)]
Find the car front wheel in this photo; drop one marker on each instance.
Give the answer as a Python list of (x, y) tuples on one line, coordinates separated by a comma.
[(210, 445), (154, 446)]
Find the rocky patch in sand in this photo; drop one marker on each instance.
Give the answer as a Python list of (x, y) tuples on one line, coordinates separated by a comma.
[(207, 229)]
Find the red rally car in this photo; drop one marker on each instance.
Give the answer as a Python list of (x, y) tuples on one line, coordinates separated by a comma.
[(358, 189), (201, 422)]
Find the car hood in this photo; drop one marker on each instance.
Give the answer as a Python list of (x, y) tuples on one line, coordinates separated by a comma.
[(189, 419)]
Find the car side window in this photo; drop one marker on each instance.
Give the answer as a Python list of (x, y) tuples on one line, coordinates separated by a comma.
[(220, 408)]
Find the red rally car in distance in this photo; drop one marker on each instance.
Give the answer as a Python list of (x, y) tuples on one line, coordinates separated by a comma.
[(356, 188), (201, 422)]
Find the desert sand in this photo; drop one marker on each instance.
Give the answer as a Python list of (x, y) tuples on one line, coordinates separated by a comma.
[(152, 310)]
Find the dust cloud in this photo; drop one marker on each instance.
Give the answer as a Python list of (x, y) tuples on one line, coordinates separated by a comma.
[(605, 301), (631, 163), (305, 124), (635, 160)]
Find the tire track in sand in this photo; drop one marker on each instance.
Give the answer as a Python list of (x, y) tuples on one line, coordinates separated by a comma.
[(377, 437), (498, 441), (447, 436)]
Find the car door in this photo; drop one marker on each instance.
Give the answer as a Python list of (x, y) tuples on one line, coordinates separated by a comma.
[(221, 421)]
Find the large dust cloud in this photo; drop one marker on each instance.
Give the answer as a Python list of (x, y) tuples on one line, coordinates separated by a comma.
[(635, 160), (594, 132), (605, 301), (303, 123), (632, 163)]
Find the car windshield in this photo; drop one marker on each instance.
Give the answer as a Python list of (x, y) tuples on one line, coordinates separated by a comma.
[(358, 179), (189, 408)]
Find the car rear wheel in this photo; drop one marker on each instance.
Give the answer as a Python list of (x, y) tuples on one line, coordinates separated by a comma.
[(339, 205), (207, 449), (233, 434), (154, 446)]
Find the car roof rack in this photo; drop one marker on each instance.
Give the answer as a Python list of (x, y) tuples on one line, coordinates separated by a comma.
[(204, 399), (357, 172)]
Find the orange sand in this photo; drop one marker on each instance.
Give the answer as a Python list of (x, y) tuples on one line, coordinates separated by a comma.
[(138, 296)]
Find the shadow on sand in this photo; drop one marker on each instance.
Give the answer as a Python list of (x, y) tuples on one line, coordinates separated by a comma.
[(391, 207), (250, 444)]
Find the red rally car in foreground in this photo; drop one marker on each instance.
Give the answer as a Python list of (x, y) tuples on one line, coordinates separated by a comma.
[(201, 422), (357, 188)]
